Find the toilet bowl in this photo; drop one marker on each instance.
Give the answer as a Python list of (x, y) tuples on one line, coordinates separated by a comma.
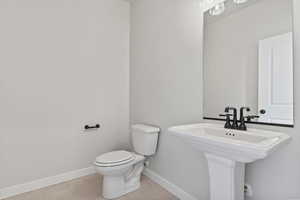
[(121, 170)]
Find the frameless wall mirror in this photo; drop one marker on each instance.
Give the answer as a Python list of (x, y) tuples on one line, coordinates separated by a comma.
[(248, 60)]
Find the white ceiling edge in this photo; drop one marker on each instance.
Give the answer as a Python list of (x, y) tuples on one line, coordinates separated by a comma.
[(208, 4), (205, 4)]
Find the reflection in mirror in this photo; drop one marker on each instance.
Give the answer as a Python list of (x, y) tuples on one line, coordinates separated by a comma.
[(248, 60)]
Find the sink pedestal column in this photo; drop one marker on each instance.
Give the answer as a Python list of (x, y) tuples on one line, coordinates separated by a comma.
[(226, 178)]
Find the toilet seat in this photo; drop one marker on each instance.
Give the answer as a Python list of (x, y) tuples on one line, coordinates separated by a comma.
[(114, 158)]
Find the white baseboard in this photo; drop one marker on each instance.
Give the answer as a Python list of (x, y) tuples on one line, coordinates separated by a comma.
[(45, 182), (41, 183), (174, 189)]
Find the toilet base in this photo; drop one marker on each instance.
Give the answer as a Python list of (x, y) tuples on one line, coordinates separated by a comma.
[(116, 186)]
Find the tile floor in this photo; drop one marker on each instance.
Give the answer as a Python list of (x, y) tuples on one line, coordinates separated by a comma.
[(89, 188)]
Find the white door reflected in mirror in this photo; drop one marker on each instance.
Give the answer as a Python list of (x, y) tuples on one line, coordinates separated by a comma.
[(276, 79)]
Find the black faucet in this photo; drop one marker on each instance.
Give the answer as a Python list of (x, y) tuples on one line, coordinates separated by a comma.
[(242, 125), (235, 122)]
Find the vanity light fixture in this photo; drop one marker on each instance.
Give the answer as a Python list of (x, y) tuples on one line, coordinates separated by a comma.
[(239, 1), (217, 9), (220, 7)]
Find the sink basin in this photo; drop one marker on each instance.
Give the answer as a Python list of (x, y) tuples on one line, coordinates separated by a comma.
[(227, 151), (242, 146)]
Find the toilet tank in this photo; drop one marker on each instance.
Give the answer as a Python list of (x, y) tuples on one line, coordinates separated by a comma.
[(144, 139)]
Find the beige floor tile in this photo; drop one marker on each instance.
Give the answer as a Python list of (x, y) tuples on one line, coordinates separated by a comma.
[(89, 188)]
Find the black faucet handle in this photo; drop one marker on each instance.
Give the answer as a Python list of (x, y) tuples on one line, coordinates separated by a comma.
[(228, 123), (242, 125), (250, 117)]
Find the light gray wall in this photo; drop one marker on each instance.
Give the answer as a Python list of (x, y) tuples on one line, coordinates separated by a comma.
[(166, 90), (165, 83), (231, 49), (63, 63)]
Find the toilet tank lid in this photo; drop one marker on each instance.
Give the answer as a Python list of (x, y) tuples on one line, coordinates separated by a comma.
[(145, 128)]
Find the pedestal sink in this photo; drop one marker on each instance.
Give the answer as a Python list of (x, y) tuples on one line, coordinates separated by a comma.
[(227, 151)]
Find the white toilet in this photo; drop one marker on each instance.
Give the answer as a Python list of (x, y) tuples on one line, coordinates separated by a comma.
[(121, 170)]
